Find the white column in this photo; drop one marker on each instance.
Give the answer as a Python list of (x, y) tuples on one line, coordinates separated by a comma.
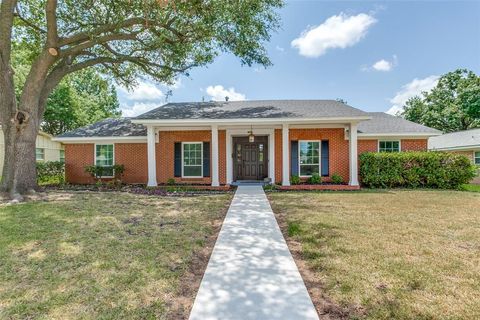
[(271, 156), (152, 164), (215, 181), (229, 157), (353, 155), (285, 157)]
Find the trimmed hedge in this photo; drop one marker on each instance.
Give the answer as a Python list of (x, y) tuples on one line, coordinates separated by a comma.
[(50, 172), (415, 169)]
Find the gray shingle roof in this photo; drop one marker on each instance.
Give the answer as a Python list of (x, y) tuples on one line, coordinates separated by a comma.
[(381, 123), (113, 127), (252, 109), (385, 123), (456, 140)]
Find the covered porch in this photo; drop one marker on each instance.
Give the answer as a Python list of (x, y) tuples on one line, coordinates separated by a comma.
[(260, 149)]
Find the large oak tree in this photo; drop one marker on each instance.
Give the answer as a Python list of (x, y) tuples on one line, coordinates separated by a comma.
[(452, 105), (125, 39)]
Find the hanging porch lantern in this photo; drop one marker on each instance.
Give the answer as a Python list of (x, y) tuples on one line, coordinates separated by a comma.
[(251, 137)]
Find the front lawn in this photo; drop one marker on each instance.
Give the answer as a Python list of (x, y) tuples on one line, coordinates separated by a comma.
[(386, 255), (105, 255)]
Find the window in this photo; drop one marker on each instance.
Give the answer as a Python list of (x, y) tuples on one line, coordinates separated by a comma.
[(62, 156), (192, 159), (104, 158), (389, 146), (476, 157), (40, 154), (309, 157)]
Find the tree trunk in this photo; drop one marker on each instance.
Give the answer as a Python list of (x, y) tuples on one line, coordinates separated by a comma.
[(19, 170)]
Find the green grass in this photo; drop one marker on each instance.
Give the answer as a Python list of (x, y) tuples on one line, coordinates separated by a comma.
[(471, 187), (388, 255), (102, 255)]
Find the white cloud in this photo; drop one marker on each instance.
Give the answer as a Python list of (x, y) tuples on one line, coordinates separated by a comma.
[(411, 89), (218, 93), (383, 65), (281, 49), (138, 108), (339, 31), (145, 91)]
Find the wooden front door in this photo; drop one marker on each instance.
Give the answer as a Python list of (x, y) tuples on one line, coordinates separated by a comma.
[(250, 159), (250, 162)]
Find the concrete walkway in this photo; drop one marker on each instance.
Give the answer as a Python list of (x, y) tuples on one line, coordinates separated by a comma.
[(251, 273)]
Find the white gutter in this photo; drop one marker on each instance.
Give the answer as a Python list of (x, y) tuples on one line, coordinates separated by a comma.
[(398, 134), (132, 139), (465, 148)]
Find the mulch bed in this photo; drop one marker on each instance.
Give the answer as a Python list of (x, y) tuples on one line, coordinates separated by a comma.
[(172, 191)]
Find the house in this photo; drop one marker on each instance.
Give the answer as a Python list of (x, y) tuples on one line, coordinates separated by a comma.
[(463, 142), (46, 148), (219, 143)]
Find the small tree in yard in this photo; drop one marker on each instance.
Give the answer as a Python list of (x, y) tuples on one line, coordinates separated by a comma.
[(124, 39)]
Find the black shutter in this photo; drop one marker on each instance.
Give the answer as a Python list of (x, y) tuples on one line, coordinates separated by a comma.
[(294, 158), (178, 159), (325, 162), (206, 159)]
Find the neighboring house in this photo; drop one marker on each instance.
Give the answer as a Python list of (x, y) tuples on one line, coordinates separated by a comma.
[(463, 142), (46, 149), (219, 143)]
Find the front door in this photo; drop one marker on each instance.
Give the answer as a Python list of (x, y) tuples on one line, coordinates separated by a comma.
[(250, 159), (250, 162)]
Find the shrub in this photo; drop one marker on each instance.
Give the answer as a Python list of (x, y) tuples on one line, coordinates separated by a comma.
[(294, 179), (171, 181), (50, 172), (415, 169), (98, 172), (315, 179), (337, 179)]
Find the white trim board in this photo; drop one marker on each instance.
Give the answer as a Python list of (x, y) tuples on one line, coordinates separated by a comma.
[(106, 140)]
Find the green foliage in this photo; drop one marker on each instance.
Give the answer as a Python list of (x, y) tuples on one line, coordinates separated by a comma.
[(315, 179), (415, 169), (171, 181), (453, 105), (295, 179), (98, 172), (50, 172), (271, 187), (337, 179), (156, 39), (80, 99)]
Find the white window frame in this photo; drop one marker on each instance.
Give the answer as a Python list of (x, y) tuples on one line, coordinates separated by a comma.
[(43, 153), (474, 157), (399, 144), (60, 155), (113, 155), (319, 158), (201, 158)]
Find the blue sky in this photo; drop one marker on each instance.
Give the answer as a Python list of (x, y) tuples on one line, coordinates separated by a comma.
[(372, 54)]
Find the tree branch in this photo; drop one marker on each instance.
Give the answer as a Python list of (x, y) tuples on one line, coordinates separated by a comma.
[(52, 32), (7, 9)]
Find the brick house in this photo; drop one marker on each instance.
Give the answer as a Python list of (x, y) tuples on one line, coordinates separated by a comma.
[(462, 142), (220, 143)]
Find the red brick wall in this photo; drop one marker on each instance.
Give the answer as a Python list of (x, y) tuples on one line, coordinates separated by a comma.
[(135, 159), (367, 146), (337, 144), (77, 156), (134, 155), (414, 144), (165, 154)]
